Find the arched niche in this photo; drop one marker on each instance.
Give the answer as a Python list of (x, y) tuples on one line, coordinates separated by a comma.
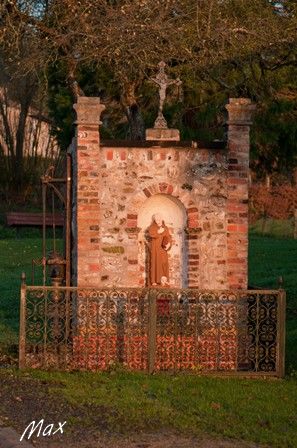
[(174, 215)]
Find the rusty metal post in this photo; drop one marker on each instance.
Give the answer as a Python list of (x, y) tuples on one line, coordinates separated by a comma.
[(281, 333), (152, 329), (43, 232), (68, 222), (22, 334)]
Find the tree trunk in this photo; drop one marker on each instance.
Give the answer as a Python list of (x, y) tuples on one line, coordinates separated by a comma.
[(19, 148), (136, 123), (133, 113)]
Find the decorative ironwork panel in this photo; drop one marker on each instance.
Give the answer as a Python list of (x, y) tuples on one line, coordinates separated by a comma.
[(153, 329), (111, 328), (48, 328), (259, 332), (196, 330)]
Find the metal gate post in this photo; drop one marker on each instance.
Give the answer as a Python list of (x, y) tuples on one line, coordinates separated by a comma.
[(152, 330), (281, 333), (22, 335)]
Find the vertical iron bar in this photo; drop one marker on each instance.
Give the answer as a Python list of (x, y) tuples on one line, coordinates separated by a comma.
[(127, 326), (68, 222), (87, 339), (152, 330), (32, 273), (43, 232), (107, 331), (22, 334), (281, 333), (175, 329), (218, 330), (68, 250), (258, 299), (54, 221), (97, 356), (196, 302), (45, 327), (237, 323)]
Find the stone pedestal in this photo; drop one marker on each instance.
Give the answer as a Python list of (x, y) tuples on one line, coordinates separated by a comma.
[(162, 134)]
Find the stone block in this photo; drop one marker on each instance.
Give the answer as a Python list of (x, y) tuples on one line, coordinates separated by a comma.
[(162, 135)]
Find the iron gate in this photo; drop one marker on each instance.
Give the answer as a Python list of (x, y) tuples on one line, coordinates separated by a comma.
[(230, 332)]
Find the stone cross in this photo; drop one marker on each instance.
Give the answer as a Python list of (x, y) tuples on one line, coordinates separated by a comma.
[(163, 82)]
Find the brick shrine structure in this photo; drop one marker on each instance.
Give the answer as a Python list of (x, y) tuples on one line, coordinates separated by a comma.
[(200, 189)]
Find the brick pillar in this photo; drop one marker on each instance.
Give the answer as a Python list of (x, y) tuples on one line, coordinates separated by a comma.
[(240, 112), (87, 188)]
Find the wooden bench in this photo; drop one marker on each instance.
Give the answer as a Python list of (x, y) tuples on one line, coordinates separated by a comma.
[(33, 219)]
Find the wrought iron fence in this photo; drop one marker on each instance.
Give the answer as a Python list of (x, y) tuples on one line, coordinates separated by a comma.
[(226, 332)]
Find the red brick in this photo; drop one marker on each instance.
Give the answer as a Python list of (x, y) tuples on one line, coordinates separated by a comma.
[(236, 181), (163, 187), (94, 267), (109, 155), (131, 223), (132, 216), (192, 210), (169, 189)]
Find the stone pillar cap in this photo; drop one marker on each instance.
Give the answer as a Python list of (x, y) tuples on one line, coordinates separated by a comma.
[(88, 110), (240, 111)]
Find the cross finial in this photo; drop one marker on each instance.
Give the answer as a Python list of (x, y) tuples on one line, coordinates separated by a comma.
[(163, 81)]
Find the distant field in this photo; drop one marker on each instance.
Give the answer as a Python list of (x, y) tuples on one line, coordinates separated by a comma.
[(278, 228)]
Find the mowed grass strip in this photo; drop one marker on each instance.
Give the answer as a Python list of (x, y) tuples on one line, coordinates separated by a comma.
[(262, 411)]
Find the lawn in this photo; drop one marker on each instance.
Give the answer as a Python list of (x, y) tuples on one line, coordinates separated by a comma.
[(262, 411), (16, 254)]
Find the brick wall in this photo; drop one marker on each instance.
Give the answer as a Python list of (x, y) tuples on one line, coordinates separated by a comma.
[(114, 186), (240, 112)]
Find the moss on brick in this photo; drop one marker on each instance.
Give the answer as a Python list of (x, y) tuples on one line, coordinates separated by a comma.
[(114, 249)]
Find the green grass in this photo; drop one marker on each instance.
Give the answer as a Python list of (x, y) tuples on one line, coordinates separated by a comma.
[(16, 256), (262, 411), (270, 258), (278, 228)]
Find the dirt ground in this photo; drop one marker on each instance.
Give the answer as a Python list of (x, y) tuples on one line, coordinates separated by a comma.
[(23, 400), (161, 440)]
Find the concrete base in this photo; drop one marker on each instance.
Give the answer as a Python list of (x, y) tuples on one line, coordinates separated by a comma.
[(163, 135)]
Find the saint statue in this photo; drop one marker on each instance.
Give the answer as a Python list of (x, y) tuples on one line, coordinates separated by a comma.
[(161, 242)]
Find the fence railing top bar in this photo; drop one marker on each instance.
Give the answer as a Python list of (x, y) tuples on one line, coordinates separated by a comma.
[(237, 292)]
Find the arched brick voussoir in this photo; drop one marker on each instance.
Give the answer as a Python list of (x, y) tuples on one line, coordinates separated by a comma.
[(161, 188), (157, 188), (184, 196)]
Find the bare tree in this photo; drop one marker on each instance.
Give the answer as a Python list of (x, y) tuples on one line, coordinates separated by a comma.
[(132, 36)]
